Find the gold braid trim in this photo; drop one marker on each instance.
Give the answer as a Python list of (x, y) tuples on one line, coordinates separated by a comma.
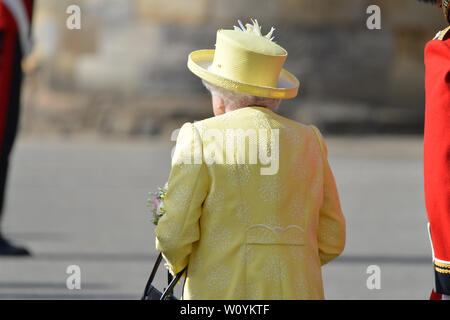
[(442, 270), (446, 9), (442, 265), (444, 33)]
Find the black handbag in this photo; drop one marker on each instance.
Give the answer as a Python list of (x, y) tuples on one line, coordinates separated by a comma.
[(151, 293)]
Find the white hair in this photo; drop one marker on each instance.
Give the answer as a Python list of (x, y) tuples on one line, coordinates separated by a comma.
[(235, 100)]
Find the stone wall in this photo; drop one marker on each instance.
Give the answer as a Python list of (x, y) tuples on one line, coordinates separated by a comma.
[(124, 73)]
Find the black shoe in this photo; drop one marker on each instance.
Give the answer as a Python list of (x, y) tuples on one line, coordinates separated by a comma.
[(8, 249)]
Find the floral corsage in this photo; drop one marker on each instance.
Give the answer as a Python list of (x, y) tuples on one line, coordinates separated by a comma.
[(156, 204)]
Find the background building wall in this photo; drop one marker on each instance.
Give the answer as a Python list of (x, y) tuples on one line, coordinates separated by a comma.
[(124, 72)]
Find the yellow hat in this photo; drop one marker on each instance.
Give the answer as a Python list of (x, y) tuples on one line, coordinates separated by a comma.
[(245, 61)]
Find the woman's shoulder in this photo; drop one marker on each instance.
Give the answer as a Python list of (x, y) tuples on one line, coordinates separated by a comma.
[(305, 129)]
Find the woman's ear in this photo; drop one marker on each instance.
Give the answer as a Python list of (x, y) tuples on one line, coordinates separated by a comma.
[(218, 105)]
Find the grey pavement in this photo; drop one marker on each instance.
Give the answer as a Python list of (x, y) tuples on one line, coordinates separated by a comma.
[(84, 203)]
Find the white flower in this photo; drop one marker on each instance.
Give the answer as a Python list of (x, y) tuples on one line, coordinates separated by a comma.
[(255, 29), (161, 208)]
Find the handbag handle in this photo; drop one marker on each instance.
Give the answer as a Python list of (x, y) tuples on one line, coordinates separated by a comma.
[(153, 273), (171, 282), (169, 289)]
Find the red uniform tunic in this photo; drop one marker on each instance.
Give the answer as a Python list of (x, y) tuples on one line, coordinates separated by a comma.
[(437, 155), (9, 33)]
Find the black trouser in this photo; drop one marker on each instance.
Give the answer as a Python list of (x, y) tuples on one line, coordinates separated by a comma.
[(11, 118)]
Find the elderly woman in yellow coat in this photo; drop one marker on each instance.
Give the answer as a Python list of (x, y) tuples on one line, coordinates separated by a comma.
[(252, 207)]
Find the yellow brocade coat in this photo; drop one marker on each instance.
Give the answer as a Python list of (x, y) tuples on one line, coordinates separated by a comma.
[(244, 234)]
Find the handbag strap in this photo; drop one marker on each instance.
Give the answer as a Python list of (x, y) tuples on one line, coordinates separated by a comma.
[(170, 280), (153, 273), (173, 282)]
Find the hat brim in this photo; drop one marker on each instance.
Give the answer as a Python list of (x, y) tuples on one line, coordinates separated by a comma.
[(200, 60)]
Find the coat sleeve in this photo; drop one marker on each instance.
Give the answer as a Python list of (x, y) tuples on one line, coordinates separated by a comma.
[(331, 233), (178, 229)]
